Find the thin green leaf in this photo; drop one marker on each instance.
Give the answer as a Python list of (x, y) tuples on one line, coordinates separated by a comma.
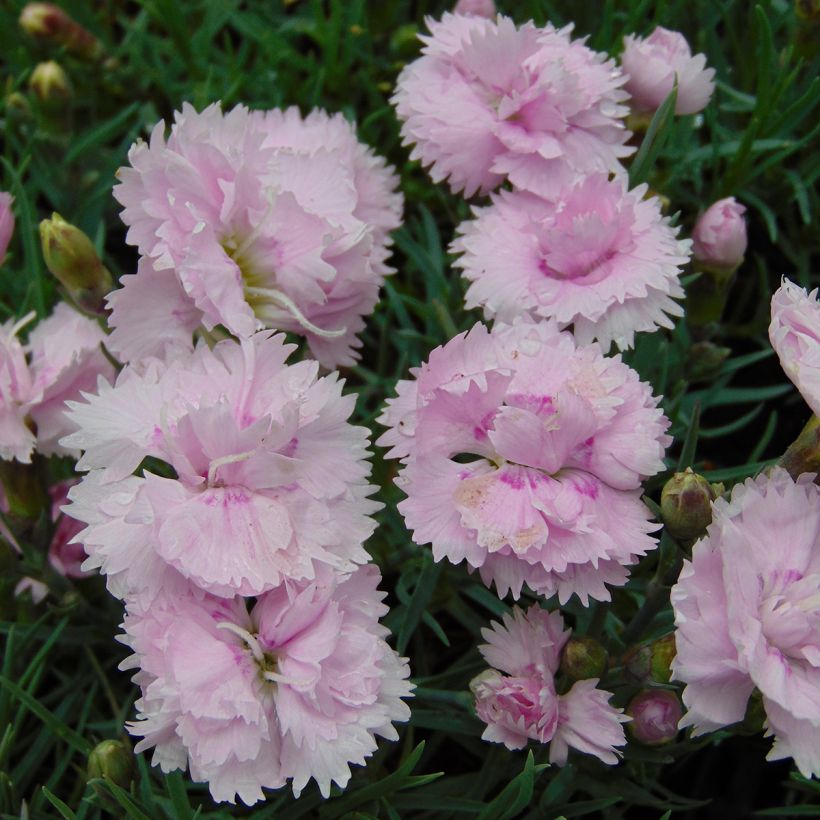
[(656, 134), (58, 804)]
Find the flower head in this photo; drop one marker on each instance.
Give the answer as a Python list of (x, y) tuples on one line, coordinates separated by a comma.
[(520, 703), (489, 101), (294, 688), (720, 235), (260, 476), (748, 615), (62, 358), (259, 219), (597, 257), (795, 335), (524, 454), (654, 63)]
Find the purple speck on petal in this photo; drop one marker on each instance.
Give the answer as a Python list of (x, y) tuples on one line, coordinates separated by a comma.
[(514, 480)]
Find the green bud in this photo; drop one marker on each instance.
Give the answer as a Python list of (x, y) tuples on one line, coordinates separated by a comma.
[(686, 505), (17, 107), (584, 658), (705, 359), (72, 259), (405, 41), (51, 86), (50, 23), (803, 455), (112, 760), (662, 653)]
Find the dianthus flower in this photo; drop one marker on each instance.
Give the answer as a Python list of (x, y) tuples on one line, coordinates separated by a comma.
[(487, 101), (522, 703), (63, 357), (524, 454), (598, 257), (653, 64), (294, 689), (795, 335), (260, 476), (747, 610), (255, 219)]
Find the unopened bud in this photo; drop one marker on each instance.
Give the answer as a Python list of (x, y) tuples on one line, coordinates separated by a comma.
[(705, 359), (719, 238), (475, 8), (655, 715), (18, 108), (662, 653), (803, 455), (584, 658), (72, 259), (51, 85), (46, 21), (112, 760), (686, 505), (808, 10), (6, 223)]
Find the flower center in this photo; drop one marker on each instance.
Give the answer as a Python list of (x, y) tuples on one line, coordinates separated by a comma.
[(266, 661)]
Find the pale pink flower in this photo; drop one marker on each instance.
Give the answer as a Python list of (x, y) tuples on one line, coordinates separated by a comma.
[(6, 223), (65, 554), (652, 65), (520, 703), (719, 238), (488, 101), (795, 335), (476, 8), (63, 357), (259, 219), (265, 480), (296, 688), (524, 455), (748, 615), (599, 258)]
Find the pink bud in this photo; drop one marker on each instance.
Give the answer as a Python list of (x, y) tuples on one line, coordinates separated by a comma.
[(720, 235), (64, 556), (6, 223), (652, 65), (475, 8), (655, 715)]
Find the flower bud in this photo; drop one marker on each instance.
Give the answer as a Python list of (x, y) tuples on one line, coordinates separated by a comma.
[(655, 715), (584, 658), (719, 238), (18, 108), (6, 223), (112, 760), (49, 22), (686, 505), (705, 359), (651, 662), (803, 454), (654, 63), (71, 258), (475, 8), (51, 85)]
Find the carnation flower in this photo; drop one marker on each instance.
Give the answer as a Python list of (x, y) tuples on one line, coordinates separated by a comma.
[(258, 219), (599, 258), (63, 357), (263, 477), (6, 223), (653, 64), (720, 235), (795, 335), (296, 688), (487, 101), (523, 704), (524, 454), (748, 615)]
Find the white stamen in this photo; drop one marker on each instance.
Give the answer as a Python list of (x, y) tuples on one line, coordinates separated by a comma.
[(246, 636), (276, 297), (27, 319), (275, 677), (236, 458)]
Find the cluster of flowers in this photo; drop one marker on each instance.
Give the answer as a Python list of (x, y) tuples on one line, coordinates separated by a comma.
[(226, 495), (747, 605)]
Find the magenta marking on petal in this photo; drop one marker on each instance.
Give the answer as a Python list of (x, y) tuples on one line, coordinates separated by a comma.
[(513, 480)]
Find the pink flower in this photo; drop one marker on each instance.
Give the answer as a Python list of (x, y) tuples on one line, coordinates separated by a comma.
[(720, 235), (6, 223), (64, 554), (524, 455), (62, 358), (795, 335), (487, 101), (748, 615), (476, 8), (523, 705), (296, 688), (264, 478), (652, 65), (598, 257), (255, 219)]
